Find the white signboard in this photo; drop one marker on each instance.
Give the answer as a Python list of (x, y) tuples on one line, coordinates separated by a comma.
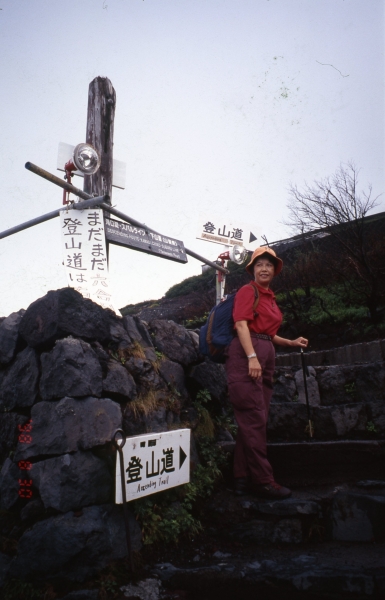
[(85, 254), (152, 463), (227, 234)]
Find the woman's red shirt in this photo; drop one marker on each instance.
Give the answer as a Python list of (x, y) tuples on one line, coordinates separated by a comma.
[(269, 317)]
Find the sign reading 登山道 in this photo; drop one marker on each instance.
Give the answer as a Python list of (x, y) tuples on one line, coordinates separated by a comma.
[(85, 255), (153, 462), (227, 234)]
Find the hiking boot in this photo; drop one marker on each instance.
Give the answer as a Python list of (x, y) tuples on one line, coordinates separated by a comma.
[(242, 486), (272, 491)]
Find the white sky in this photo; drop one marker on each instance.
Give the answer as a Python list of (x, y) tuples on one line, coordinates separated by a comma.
[(220, 105)]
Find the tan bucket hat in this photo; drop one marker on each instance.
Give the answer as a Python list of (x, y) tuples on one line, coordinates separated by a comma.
[(278, 263)]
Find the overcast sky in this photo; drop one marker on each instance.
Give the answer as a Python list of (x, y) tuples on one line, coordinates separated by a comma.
[(220, 105)]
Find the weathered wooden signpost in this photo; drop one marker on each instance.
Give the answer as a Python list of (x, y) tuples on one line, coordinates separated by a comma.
[(100, 134), (97, 192)]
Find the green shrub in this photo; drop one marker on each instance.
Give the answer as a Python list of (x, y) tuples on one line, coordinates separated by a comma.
[(169, 515)]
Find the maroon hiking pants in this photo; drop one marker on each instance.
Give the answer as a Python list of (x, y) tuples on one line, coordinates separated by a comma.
[(251, 400)]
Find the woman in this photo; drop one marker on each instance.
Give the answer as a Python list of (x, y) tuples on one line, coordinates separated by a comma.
[(250, 368)]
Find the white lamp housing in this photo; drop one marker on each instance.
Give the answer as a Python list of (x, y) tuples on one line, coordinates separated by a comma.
[(86, 159), (238, 254)]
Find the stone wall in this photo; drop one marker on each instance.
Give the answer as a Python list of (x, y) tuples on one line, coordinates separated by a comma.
[(351, 354), (72, 373), (346, 402)]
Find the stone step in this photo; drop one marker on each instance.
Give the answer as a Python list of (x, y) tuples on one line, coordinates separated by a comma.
[(288, 421), (323, 542), (332, 571), (349, 513), (314, 463)]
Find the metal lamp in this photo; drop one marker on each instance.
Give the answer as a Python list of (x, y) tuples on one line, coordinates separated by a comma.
[(86, 159)]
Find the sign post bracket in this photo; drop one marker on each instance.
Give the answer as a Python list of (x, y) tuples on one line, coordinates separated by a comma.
[(119, 440), (90, 203), (63, 184)]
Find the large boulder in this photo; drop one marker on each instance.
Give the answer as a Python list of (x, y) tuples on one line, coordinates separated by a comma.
[(74, 546), (19, 387), (333, 384), (145, 375), (71, 368), (137, 331), (156, 420), (103, 356), (331, 422), (287, 421), (5, 562), (284, 389), (347, 384), (61, 313), (9, 484), (72, 481), (69, 425), (119, 383), (118, 334), (174, 341), (370, 382), (9, 336), (358, 517), (138, 367), (173, 375), (312, 387), (211, 377), (9, 431), (139, 335), (376, 417)]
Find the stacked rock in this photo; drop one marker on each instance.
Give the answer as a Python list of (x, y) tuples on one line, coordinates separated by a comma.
[(71, 374)]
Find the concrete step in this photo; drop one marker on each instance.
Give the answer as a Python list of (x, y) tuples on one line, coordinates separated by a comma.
[(315, 463)]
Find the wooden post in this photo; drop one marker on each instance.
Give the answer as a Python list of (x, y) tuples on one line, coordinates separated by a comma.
[(100, 133)]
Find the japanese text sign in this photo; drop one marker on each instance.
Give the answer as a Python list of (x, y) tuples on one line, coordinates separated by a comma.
[(153, 462), (137, 238), (213, 230), (225, 234), (85, 254)]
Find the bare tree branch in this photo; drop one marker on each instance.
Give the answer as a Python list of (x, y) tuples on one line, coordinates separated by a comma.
[(334, 205)]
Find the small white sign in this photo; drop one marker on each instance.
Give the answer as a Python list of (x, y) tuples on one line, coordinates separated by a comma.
[(152, 463), (228, 234), (85, 254)]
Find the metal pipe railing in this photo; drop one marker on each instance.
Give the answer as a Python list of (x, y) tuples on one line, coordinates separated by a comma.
[(55, 213), (70, 188)]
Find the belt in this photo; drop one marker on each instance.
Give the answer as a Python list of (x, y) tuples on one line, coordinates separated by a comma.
[(261, 336)]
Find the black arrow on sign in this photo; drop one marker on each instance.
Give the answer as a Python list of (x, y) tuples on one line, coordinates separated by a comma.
[(182, 457), (252, 237)]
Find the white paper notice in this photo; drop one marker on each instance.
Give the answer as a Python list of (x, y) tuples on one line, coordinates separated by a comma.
[(85, 255)]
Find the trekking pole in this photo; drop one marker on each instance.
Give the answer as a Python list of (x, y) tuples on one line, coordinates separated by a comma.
[(305, 372)]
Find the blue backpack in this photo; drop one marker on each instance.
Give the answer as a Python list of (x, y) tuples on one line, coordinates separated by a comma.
[(218, 331)]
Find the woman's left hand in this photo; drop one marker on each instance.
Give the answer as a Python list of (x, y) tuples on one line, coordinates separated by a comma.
[(301, 341)]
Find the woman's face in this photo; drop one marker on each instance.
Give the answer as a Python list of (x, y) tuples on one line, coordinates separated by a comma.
[(263, 272)]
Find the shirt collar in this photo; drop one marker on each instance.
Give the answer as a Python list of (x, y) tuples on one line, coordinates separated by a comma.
[(263, 290)]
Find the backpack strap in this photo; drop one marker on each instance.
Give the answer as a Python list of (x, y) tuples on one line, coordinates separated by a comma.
[(256, 301)]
